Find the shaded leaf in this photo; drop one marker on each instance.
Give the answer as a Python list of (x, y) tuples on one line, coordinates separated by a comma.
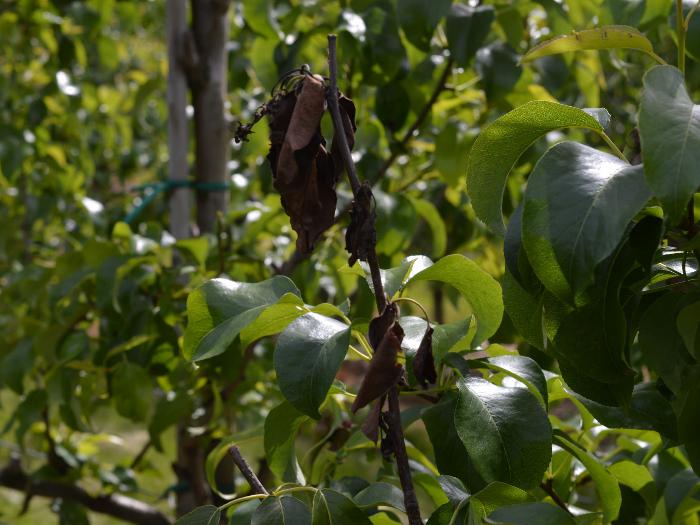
[(333, 508), (281, 426), (531, 514), (466, 28), (284, 510)]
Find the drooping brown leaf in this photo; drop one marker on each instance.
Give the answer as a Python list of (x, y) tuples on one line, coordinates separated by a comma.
[(370, 426), (303, 170), (423, 362), (361, 235), (381, 324), (384, 370)]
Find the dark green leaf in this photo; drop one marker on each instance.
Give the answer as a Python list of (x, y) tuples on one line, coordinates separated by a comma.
[(418, 19), (466, 28), (578, 204), (207, 515), (523, 369), (505, 431), (531, 514), (499, 146), (307, 357), (284, 510), (333, 508), (669, 128), (380, 494)]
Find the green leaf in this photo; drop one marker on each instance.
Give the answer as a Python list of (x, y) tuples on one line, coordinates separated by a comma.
[(499, 146), (648, 410), (531, 514), (524, 309), (430, 214), (219, 309), (451, 457), (454, 489), (606, 484), (606, 37), (380, 494), (466, 28), (578, 204), (307, 357), (281, 426), (207, 515), (669, 129), (132, 390), (168, 412), (689, 418), (638, 478), (418, 19), (481, 291), (505, 432), (678, 497), (496, 495), (395, 279), (333, 508), (525, 370), (285, 510), (689, 328), (198, 247), (273, 319)]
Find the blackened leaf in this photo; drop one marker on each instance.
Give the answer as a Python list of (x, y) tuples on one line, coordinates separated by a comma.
[(361, 235), (381, 324), (384, 371), (423, 363), (370, 426)]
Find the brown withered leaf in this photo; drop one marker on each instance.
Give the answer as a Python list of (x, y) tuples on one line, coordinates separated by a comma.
[(370, 426), (381, 324), (384, 371), (423, 362), (303, 170), (361, 235)]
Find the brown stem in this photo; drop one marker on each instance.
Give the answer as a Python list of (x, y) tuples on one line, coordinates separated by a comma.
[(247, 472), (547, 487), (394, 414)]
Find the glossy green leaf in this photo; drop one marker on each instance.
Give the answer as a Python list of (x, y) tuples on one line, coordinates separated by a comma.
[(418, 19), (281, 426), (380, 494), (454, 489), (132, 390), (531, 514), (606, 484), (524, 310), (394, 279), (499, 146), (273, 319), (284, 510), (333, 508), (307, 357), (206, 515), (504, 430), (481, 291), (669, 129), (577, 206), (638, 478), (219, 309), (466, 29), (525, 370), (606, 37)]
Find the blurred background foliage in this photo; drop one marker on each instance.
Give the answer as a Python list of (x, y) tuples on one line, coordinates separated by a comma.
[(92, 309)]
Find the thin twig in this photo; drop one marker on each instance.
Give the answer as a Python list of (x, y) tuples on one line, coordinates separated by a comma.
[(247, 472), (394, 417), (547, 487)]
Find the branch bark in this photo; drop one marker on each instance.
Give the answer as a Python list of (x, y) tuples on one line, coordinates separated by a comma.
[(115, 505), (247, 472), (394, 418), (210, 31)]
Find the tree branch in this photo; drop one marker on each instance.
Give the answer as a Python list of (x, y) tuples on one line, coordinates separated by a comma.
[(115, 505), (547, 487), (247, 472), (394, 417)]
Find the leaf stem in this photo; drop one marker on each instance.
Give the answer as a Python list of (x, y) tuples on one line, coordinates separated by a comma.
[(294, 489), (656, 57), (680, 30), (413, 301), (242, 499), (612, 145), (690, 15)]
